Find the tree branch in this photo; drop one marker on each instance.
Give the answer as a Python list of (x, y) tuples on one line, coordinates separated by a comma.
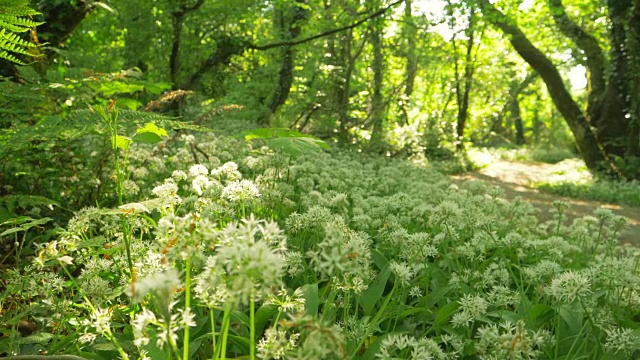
[(326, 33)]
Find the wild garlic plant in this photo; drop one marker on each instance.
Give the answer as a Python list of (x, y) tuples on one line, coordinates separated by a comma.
[(239, 251)]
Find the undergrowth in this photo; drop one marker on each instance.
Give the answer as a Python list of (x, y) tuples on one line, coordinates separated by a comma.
[(212, 247), (607, 191)]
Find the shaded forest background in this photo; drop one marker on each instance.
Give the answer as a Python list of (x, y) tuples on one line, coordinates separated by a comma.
[(423, 79)]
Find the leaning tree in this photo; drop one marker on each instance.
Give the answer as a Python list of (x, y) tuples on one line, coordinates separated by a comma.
[(606, 132)]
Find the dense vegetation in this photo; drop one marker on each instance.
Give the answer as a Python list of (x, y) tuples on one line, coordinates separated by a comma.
[(191, 179)]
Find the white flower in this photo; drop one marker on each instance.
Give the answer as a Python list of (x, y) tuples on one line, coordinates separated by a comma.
[(229, 170), (187, 317), (162, 283), (240, 191), (402, 272), (622, 340), (570, 286), (166, 190), (198, 169), (179, 175), (200, 183), (66, 259)]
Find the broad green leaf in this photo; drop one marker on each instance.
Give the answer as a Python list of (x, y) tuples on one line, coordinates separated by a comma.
[(289, 141), (445, 313), (17, 220), (150, 133), (12, 231), (123, 142), (374, 292), (264, 315), (37, 338), (311, 299), (296, 146), (131, 104), (270, 133), (93, 242), (573, 318)]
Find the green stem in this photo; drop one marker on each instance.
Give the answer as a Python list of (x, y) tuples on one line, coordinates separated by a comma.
[(559, 223), (213, 329), (252, 328), (187, 305), (225, 332), (595, 250)]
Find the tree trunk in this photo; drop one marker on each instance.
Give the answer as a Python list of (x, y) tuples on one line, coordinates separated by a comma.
[(180, 10), (516, 117), (291, 29), (463, 90), (412, 60), (592, 151), (377, 104)]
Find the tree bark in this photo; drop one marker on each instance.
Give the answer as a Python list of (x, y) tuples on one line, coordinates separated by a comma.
[(411, 68), (377, 103), (592, 151), (291, 30), (181, 9), (463, 89)]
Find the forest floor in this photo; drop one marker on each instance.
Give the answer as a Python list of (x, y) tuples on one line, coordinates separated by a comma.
[(516, 179)]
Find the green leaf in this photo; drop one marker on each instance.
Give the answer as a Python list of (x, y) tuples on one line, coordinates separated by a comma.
[(37, 338), (289, 141), (11, 231), (150, 134), (93, 242), (123, 142), (131, 104), (311, 298), (296, 146), (445, 313), (573, 318), (370, 297), (263, 315)]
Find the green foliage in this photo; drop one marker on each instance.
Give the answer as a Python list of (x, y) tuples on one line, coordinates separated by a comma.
[(288, 141), (327, 256), (606, 191), (544, 154), (14, 19)]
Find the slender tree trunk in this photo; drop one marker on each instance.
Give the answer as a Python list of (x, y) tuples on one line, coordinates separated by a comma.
[(290, 28), (377, 103), (463, 94), (180, 10), (516, 117), (411, 69), (177, 20)]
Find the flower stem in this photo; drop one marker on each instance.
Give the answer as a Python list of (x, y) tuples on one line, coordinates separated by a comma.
[(252, 328), (187, 305)]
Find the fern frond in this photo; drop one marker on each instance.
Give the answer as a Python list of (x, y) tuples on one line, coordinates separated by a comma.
[(5, 55), (14, 18)]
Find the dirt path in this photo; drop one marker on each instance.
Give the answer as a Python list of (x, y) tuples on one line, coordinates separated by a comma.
[(515, 178)]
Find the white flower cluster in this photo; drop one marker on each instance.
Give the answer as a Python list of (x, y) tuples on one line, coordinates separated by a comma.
[(249, 260), (417, 349), (239, 191)]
